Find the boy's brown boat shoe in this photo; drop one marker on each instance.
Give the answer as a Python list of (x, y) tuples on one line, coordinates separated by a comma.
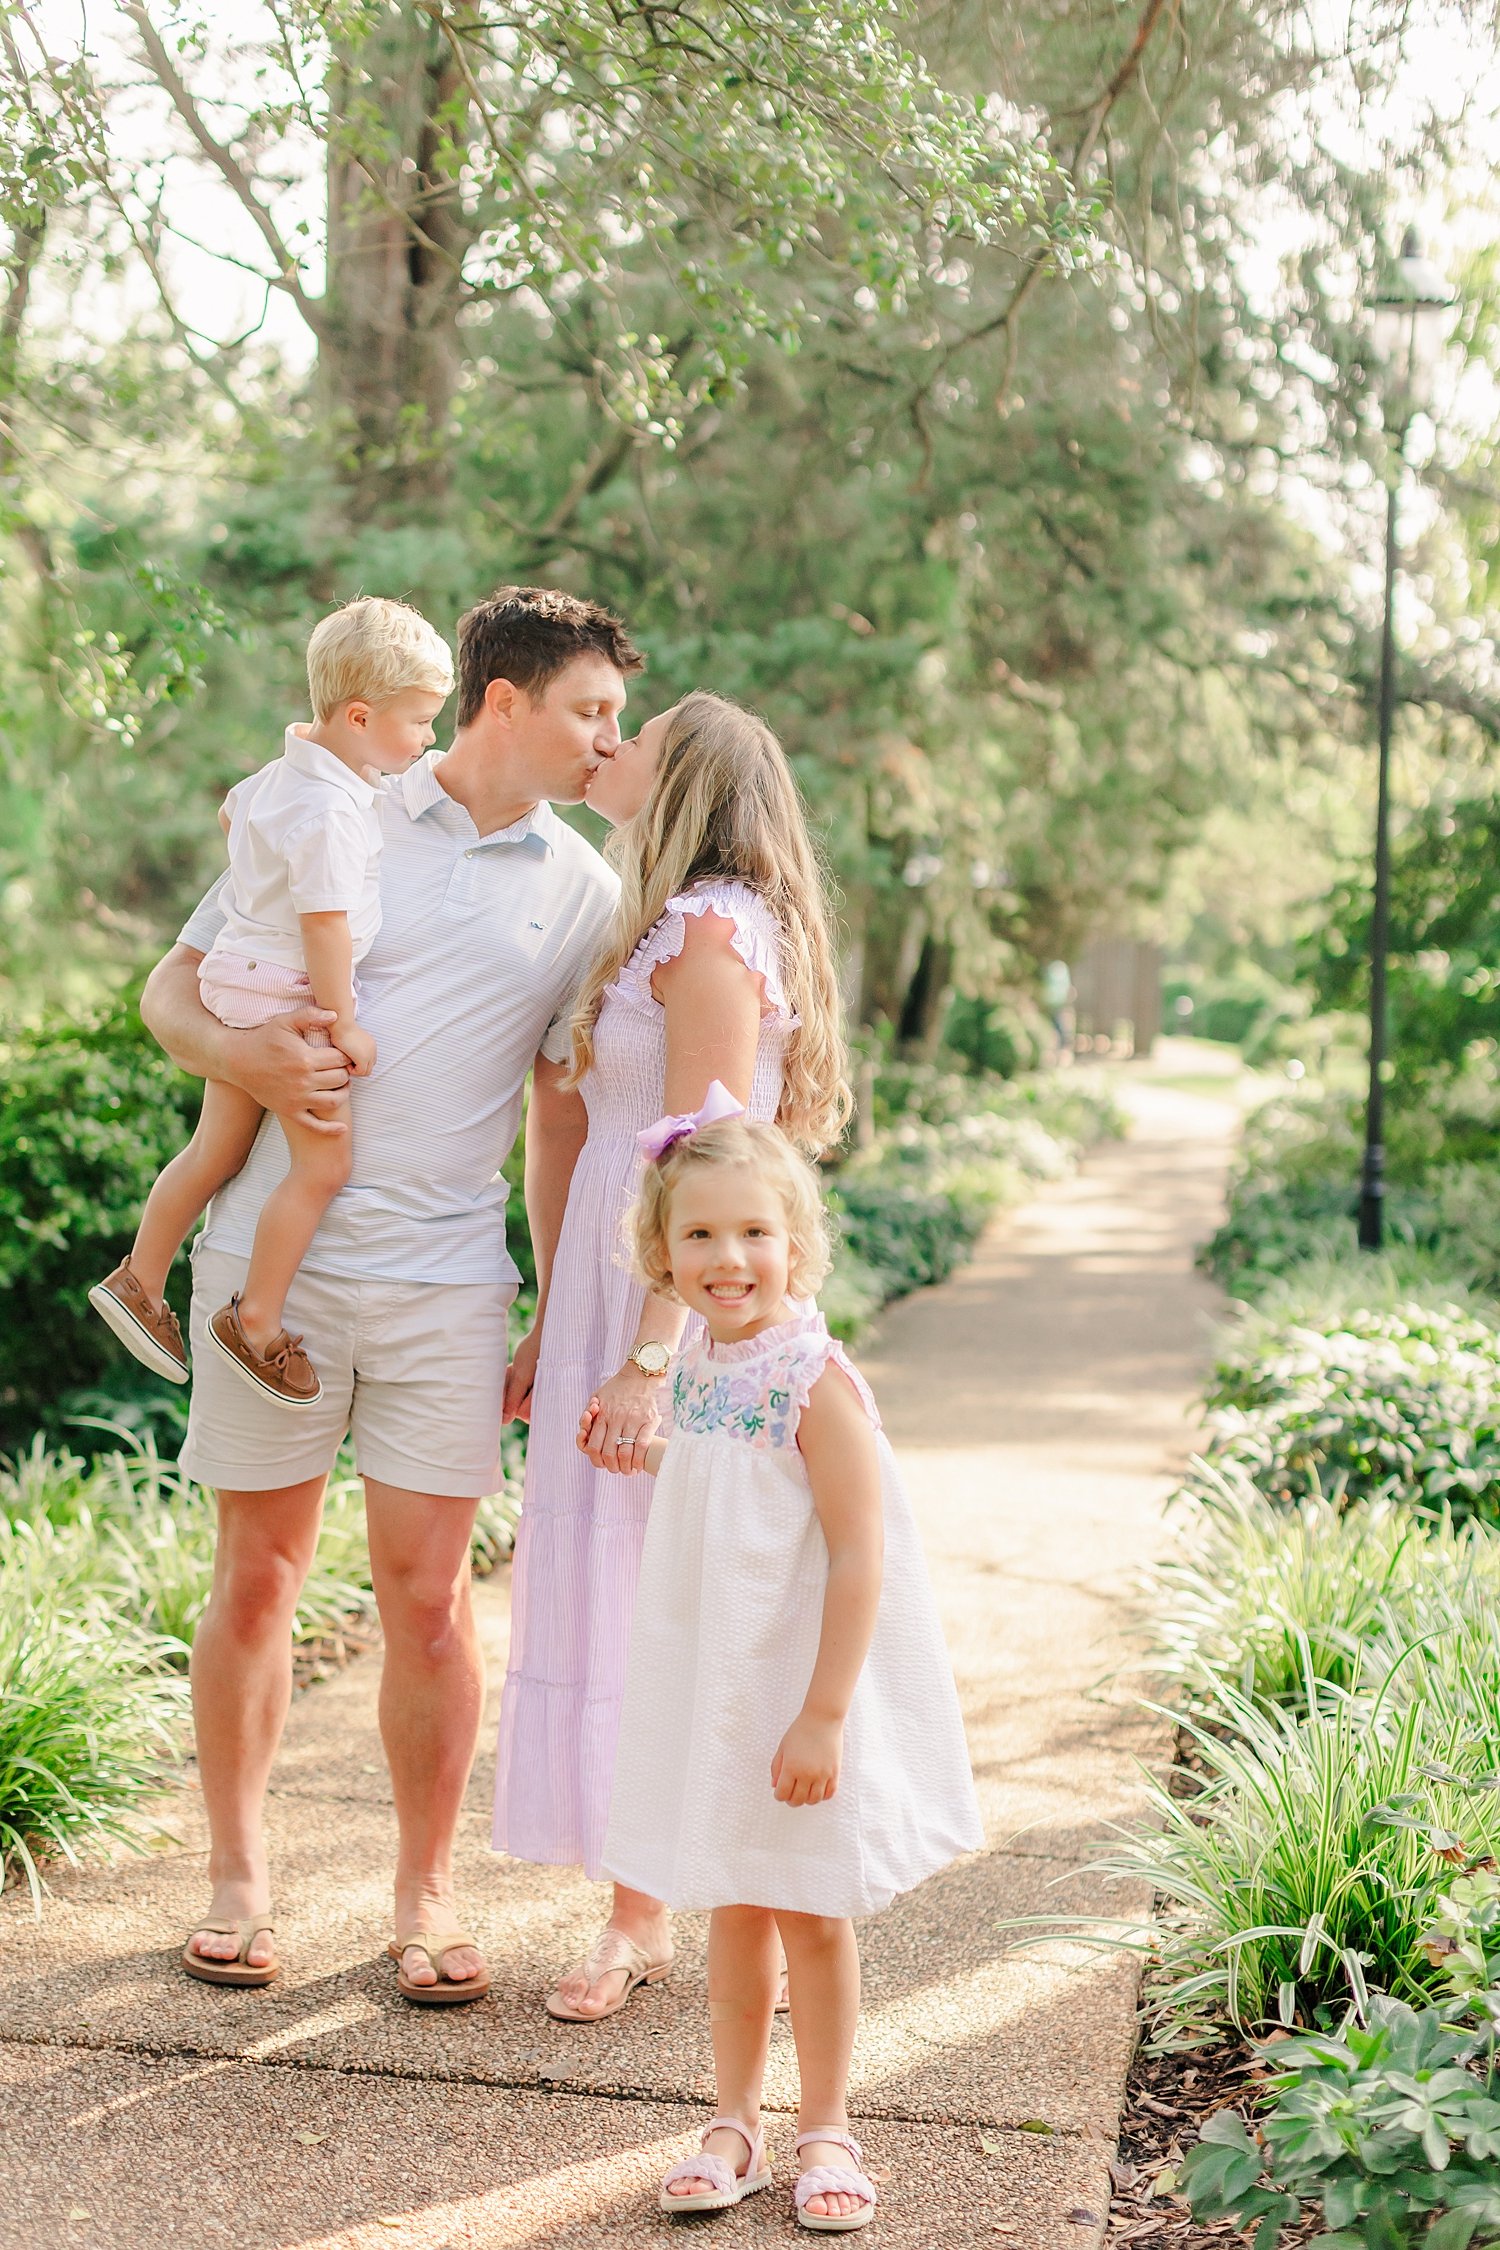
[(145, 1328), (282, 1371)]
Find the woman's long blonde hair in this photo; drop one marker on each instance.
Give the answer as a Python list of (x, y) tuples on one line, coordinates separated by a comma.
[(724, 807)]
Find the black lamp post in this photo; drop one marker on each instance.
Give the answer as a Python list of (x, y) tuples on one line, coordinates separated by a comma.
[(1406, 332)]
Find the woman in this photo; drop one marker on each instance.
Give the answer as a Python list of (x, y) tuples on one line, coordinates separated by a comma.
[(719, 965)]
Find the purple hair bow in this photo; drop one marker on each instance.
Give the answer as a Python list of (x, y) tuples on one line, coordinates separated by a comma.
[(718, 1103)]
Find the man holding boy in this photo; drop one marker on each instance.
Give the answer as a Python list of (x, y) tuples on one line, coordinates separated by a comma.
[(491, 908)]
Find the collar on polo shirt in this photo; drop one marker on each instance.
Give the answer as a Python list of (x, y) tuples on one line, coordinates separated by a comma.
[(422, 791), (311, 757)]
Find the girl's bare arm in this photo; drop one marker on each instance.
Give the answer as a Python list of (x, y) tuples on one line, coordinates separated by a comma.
[(843, 1468)]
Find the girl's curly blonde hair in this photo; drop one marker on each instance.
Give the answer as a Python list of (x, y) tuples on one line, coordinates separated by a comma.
[(759, 1148)]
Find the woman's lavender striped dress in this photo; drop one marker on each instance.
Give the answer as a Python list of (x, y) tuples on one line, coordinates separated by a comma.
[(578, 1548)]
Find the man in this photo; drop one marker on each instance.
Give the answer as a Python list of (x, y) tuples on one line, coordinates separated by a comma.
[(491, 910)]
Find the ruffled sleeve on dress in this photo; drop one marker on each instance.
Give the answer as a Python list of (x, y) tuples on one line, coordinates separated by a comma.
[(756, 938), (807, 1357)]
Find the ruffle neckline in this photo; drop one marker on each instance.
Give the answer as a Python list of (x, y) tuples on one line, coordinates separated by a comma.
[(724, 1355)]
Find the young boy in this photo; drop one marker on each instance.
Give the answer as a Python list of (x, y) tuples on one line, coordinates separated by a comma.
[(303, 908)]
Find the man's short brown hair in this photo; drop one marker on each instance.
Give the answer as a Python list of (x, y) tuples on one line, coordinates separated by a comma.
[(527, 635)]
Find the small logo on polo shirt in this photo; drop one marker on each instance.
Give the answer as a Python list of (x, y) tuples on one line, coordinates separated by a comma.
[(533, 925)]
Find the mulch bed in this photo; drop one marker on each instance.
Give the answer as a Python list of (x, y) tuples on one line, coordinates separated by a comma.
[(1168, 2098)]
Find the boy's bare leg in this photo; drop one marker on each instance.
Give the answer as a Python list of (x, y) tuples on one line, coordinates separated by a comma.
[(431, 1699), (222, 1140), (242, 1682), (289, 1219)]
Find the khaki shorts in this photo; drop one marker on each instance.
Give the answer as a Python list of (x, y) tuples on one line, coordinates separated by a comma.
[(415, 1369)]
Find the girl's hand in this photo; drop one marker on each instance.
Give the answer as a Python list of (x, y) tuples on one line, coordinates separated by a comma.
[(625, 1414), (805, 1769)]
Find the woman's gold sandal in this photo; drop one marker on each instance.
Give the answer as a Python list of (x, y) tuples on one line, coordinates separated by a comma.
[(448, 1992), (611, 1952), (239, 1971)]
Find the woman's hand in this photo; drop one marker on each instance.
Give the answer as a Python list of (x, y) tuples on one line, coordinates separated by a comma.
[(621, 1419), (805, 1769)]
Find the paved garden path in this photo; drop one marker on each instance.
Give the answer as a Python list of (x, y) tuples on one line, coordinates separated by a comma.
[(1038, 1401)]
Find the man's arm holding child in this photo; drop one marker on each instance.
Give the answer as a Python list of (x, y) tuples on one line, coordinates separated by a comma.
[(274, 1064)]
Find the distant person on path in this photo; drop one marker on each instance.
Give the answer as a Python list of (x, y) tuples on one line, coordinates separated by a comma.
[(719, 966), (491, 910), (791, 1749), (302, 908), (1057, 995)]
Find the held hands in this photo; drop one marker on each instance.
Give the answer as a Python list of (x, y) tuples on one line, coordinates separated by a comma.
[(355, 1044), (805, 1769), (620, 1420), (647, 1456)]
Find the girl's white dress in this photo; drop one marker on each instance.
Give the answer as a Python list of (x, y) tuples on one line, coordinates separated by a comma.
[(728, 1612)]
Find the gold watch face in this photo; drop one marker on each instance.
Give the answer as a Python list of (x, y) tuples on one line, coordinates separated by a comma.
[(652, 1359)]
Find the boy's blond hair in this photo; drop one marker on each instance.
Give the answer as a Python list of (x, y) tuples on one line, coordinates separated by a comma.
[(369, 651), (761, 1148)]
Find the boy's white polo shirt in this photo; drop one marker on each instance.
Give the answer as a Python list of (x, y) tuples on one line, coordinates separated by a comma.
[(483, 943), (304, 838)]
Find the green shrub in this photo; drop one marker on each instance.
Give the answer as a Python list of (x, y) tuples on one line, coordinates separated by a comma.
[(88, 1116), (1383, 2126), (1401, 1405), (909, 1238), (1295, 1191)]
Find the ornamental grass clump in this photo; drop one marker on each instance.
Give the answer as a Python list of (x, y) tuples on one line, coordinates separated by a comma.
[(1265, 1597), (1304, 1866), (86, 1718)]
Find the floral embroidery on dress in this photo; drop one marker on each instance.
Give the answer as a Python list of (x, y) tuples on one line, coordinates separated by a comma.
[(741, 1402), (757, 1396)]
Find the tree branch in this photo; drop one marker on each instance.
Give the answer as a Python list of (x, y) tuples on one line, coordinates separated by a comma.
[(173, 85), (1096, 117)]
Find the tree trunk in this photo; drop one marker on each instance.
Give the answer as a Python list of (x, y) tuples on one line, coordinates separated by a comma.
[(924, 1011), (397, 231)]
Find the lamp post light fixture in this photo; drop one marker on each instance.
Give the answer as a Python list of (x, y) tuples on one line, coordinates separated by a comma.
[(1406, 332)]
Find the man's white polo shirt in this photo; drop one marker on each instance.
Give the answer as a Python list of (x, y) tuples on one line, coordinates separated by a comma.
[(304, 838), (483, 943)]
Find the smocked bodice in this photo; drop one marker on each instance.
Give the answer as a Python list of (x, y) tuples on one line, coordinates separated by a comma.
[(624, 1089)]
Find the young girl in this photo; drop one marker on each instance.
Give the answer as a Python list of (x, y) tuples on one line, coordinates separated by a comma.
[(304, 908), (791, 1752)]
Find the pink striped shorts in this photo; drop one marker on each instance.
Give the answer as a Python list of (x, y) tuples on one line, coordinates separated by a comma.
[(245, 994)]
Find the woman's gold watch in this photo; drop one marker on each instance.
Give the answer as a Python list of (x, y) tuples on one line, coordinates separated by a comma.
[(651, 1359)]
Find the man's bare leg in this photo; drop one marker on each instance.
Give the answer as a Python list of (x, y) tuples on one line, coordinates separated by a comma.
[(431, 1699), (242, 1683)]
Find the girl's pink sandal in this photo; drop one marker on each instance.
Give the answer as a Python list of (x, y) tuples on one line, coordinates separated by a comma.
[(729, 2187), (834, 2179)]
